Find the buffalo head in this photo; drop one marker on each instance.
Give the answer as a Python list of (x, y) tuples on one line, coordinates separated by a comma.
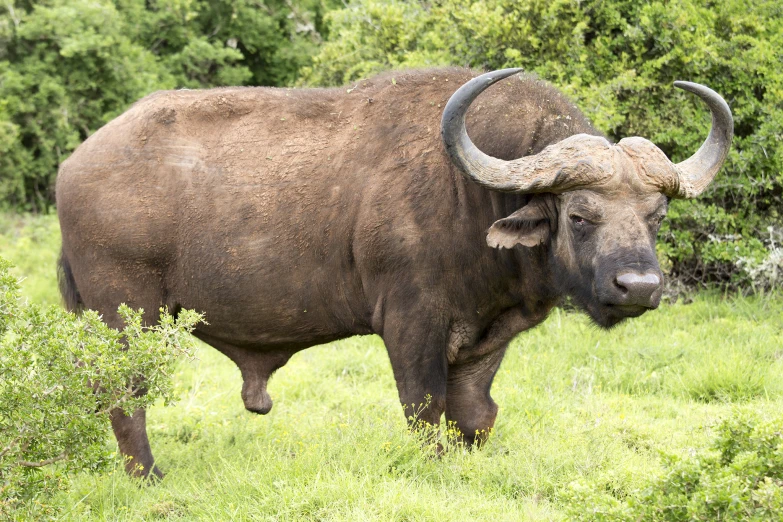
[(596, 206)]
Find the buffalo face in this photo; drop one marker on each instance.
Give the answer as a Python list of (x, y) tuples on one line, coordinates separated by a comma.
[(606, 251), (601, 247)]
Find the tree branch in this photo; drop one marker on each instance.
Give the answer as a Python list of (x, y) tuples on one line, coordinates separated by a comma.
[(42, 463), (12, 443), (130, 392)]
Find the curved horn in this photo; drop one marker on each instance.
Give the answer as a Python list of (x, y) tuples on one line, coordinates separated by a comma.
[(481, 168), (559, 167), (698, 171)]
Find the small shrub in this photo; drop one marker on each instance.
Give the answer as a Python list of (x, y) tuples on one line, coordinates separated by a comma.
[(60, 377), (767, 271), (739, 477)]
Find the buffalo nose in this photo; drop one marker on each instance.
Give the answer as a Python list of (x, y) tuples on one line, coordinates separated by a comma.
[(640, 289)]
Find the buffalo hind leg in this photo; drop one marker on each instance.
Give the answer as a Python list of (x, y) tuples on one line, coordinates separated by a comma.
[(139, 290), (131, 433), (131, 430), (468, 402)]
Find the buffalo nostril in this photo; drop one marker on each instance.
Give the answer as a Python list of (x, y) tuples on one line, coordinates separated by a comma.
[(629, 279), (639, 289)]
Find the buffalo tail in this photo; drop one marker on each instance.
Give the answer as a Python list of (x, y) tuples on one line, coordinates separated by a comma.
[(71, 298)]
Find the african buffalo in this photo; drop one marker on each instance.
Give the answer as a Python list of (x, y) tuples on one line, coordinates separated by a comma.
[(295, 217)]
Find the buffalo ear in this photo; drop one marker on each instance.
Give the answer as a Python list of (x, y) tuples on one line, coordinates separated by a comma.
[(529, 226)]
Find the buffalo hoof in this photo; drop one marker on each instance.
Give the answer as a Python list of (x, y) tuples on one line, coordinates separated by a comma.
[(151, 475)]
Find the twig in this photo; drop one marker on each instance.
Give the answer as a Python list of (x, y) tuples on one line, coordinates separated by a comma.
[(130, 392), (42, 463), (12, 444), (16, 19)]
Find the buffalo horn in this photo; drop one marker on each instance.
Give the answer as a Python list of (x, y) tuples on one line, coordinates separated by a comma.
[(567, 165), (698, 171), (559, 167)]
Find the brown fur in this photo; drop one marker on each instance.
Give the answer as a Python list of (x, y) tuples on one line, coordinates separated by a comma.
[(296, 217)]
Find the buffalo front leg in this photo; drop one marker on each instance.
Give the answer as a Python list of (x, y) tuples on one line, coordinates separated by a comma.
[(417, 351), (468, 403)]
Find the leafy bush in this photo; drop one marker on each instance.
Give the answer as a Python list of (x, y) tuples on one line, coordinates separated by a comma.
[(225, 42), (617, 59), (60, 377), (740, 477), (69, 66)]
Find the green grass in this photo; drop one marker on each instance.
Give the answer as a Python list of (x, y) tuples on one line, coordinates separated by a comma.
[(576, 404), (32, 243)]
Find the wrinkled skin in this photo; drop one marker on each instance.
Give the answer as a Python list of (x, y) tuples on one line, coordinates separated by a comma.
[(292, 218)]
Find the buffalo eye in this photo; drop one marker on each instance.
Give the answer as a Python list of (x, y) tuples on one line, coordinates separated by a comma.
[(579, 221)]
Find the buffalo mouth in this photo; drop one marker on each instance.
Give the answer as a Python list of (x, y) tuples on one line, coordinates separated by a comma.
[(627, 311), (607, 315), (608, 310)]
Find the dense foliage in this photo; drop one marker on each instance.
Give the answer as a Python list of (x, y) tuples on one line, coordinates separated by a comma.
[(617, 59), (740, 477), (69, 66), (60, 376)]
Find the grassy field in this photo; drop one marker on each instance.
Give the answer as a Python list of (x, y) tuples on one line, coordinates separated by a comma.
[(577, 404), (32, 243)]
